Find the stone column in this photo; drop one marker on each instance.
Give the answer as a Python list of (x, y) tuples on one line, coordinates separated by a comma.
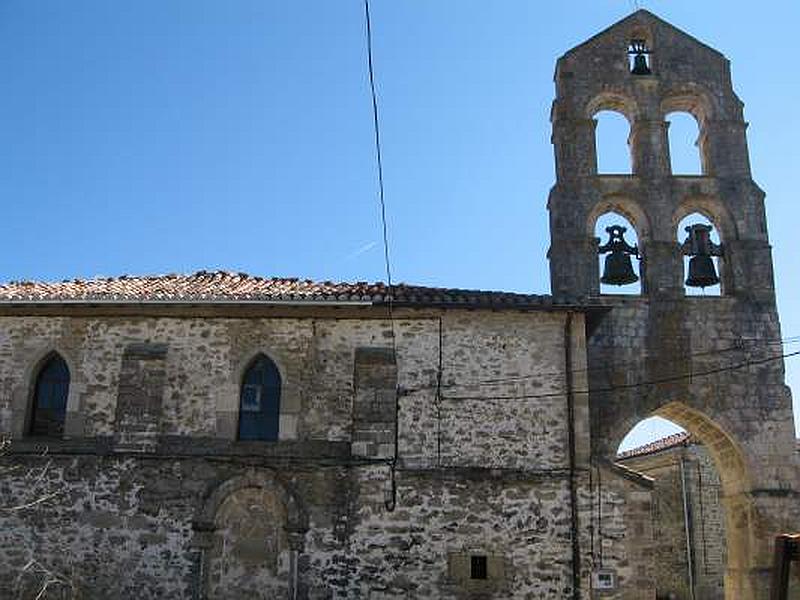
[(574, 271), (650, 148), (575, 148), (723, 147)]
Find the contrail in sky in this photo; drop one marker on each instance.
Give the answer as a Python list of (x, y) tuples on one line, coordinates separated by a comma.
[(361, 250)]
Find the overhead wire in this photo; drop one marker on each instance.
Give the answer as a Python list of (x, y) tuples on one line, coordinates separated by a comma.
[(379, 161), (392, 501), (625, 386), (739, 346)]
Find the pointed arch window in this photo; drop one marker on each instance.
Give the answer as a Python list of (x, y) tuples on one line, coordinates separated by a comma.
[(259, 401), (50, 398)]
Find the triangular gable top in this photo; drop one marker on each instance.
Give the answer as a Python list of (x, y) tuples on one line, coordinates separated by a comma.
[(644, 17)]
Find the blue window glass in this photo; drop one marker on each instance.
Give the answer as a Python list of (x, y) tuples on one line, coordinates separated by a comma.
[(50, 398), (260, 401)]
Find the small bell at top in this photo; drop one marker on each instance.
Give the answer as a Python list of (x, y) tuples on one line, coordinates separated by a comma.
[(638, 49), (618, 268), (640, 65)]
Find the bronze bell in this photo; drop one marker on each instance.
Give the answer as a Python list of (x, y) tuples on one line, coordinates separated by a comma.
[(702, 272), (618, 268), (640, 65)]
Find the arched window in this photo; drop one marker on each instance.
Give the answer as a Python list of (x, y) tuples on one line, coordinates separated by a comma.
[(618, 255), (260, 401), (50, 398), (611, 143), (684, 144), (702, 254)]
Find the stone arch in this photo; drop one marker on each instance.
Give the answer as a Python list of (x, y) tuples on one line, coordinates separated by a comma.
[(296, 514), (24, 395), (711, 208), (693, 99), (241, 366), (723, 226), (742, 519), (726, 453), (228, 402), (613, 100), (612, 209), (618, 103), (625, 206), (250, 530), (260, 398)]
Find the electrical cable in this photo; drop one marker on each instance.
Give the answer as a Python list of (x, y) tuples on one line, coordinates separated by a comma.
[(625, 386), (379, 160), (392, 502), (605, 368)]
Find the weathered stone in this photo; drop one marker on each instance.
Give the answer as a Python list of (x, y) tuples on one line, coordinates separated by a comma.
[(456, 433)]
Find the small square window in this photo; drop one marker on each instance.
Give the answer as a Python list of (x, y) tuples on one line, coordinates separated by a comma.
[(605, 579), (478, 567)]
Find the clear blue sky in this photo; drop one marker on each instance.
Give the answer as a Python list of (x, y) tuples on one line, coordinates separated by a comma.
[(162, 136)]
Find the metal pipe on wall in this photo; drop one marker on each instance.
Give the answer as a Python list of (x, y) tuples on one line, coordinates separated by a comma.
[(687, 529)]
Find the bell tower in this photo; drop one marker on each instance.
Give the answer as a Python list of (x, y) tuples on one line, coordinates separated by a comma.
[(711, 364)]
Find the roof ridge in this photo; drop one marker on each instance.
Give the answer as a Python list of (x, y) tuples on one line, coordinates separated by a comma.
[(231, 286), (664, 443)]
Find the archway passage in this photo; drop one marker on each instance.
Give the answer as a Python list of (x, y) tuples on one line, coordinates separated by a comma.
[(705, 523), (689, 545)]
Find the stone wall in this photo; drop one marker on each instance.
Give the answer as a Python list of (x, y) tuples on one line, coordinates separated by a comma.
[(148, 493), (686, 468), (622, 533)]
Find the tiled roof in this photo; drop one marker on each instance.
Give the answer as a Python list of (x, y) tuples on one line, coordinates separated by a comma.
[(665, 443), (222, 286)]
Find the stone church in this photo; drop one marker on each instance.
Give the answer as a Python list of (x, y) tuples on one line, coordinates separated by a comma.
[(220, 435)]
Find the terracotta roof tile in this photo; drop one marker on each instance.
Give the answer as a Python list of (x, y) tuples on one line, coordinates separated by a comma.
[(665, 443), (223, 286)]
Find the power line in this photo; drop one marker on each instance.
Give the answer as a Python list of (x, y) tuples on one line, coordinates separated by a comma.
[(605, 368), (624, 386), (391, 503), (379, 160)]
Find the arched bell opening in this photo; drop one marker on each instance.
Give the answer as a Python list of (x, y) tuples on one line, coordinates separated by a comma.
[(688, 109), (702, 252), (619, 258), (640, 52), (685, 151), (612, 143)]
